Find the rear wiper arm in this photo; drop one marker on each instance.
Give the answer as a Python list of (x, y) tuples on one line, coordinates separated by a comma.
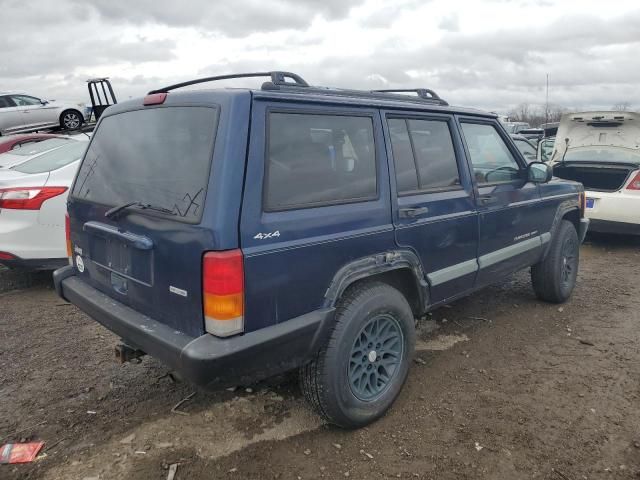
[(113, 212)]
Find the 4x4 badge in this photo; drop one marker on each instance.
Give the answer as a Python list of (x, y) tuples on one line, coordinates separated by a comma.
[(264, 236)]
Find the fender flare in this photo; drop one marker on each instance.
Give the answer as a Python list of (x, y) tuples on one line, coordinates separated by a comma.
[(564, 208), (373, 265)]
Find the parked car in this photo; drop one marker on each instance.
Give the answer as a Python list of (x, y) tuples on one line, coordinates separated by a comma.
[(235, 233), (550, 129), (601, 150), (515, 127), (30, 150), (527, 149), (21, 113), (33, 199), (532, 134), (25, 140)]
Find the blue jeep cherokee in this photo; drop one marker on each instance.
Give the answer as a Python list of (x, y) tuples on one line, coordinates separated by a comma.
[(236, 233)]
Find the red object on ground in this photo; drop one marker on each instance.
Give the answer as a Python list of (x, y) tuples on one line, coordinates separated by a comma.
[(20, 452), (7, 143)]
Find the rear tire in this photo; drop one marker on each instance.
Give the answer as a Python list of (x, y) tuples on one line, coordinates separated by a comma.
[(71, 119), (554, 278), (358, 374)]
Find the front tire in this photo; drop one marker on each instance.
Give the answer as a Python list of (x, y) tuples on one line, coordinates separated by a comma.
[(554, 278), (359, 373), (71, 120)]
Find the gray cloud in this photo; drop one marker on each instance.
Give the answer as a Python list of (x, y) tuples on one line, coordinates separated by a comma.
[(386, 15), (497, 70), (233, 18), (55, 38), (591, 61), (60, 57)]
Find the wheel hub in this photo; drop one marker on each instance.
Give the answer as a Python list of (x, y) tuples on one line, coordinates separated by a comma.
[(376, 357)]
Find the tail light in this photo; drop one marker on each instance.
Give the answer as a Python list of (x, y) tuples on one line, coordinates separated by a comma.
[(28, 198), (635, 183), (6, 256), (223, 292), (67, 232)]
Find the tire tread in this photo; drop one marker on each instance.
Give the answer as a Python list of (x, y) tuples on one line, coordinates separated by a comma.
[(313, 374), (544, 279)]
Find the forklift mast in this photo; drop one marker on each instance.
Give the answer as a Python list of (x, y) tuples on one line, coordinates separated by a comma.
[(101, 94)]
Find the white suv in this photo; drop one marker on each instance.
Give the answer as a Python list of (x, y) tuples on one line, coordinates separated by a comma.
[(25, 113)]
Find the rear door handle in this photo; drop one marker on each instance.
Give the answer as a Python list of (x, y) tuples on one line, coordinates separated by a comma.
[(413, 212)]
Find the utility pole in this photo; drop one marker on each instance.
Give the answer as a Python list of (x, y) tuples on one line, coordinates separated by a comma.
[(546, 105)]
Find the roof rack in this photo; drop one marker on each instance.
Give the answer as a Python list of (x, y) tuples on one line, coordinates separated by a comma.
[(278, 78), (423, 93), (369, 94)]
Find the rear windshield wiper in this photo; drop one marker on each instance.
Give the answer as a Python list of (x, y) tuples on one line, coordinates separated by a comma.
[(113, 212)]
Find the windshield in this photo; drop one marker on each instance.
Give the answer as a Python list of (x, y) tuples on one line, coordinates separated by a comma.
[(32, 148), (606, 154), (158, 156), (54, 159)]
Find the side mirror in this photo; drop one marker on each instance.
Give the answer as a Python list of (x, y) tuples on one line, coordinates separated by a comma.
[(539, 172), (44, 102)]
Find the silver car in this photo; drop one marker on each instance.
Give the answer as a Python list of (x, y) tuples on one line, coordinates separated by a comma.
[(21, 113)]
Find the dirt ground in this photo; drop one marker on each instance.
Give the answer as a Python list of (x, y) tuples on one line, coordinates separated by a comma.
[(503, 387)]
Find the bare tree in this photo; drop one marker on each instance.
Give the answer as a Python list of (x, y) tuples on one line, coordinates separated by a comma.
[(621, 107), (535, 115)]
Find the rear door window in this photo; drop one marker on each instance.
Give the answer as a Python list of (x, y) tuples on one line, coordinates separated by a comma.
[(315, 160), (423, 154), (158, 156)]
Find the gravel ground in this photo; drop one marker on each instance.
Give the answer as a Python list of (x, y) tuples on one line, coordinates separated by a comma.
[(503, 387)]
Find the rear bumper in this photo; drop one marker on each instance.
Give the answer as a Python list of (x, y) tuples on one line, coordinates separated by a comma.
[(206, 361), (622, 206), (622, 228)]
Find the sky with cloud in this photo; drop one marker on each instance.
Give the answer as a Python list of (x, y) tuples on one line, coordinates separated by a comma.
[(491, 54)]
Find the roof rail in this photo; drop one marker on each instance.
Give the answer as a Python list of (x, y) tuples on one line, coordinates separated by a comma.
[(423, 93), (277, 78)]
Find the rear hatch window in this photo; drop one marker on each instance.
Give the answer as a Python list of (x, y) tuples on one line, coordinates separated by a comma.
[(158, 156)]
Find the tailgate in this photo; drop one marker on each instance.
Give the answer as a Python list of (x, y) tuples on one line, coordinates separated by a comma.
[(148, 255)]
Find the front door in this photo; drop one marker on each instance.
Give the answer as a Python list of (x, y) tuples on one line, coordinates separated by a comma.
[(33, 111), (434, 211), (510, 236)]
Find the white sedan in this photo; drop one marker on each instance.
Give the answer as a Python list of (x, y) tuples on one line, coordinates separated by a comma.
[(33, 198), (601, 151), (21, 113)]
